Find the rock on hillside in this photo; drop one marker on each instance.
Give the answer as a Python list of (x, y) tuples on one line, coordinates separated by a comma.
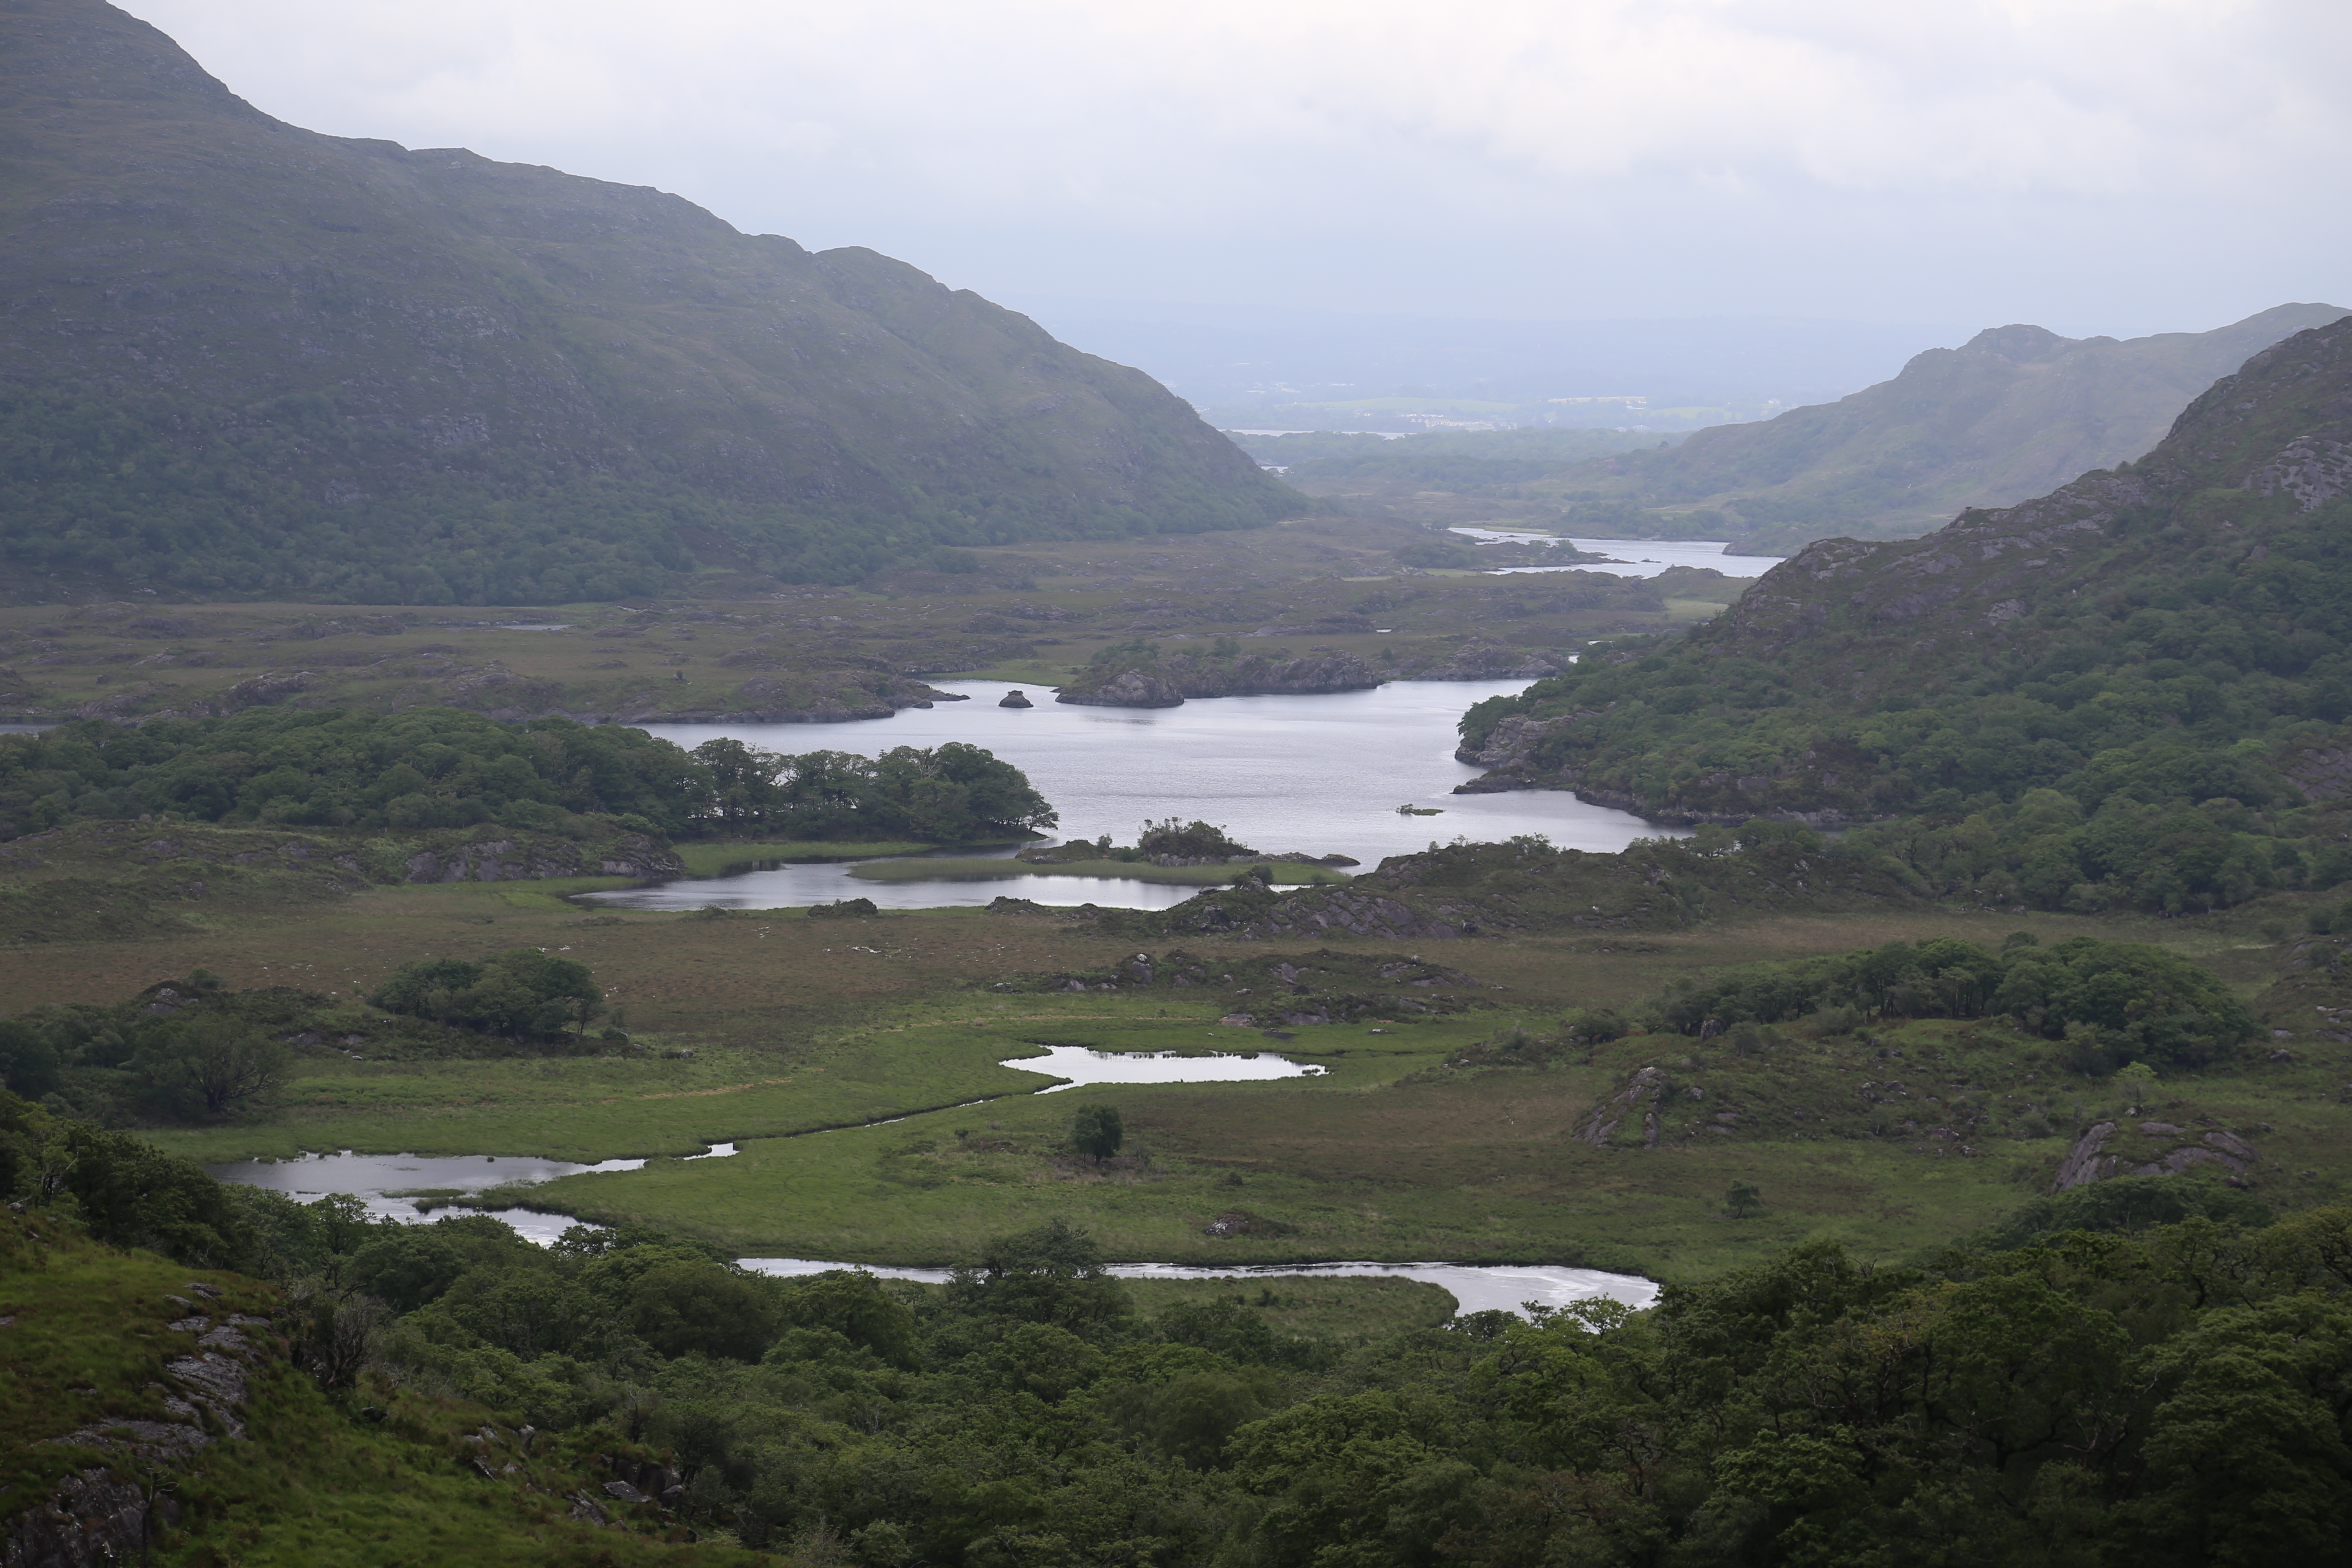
[(240, 329), (2009, 414)]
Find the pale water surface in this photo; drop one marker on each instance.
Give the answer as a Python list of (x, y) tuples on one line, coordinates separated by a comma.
[(1319, 775), (1636, 557), (1083, 1066)]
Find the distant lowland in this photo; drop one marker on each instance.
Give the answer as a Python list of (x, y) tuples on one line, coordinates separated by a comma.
[(2011, 413), (244, 359)]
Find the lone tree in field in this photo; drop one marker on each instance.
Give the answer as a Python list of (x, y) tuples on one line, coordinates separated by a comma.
[(1744, 1199), (1098, 1131)]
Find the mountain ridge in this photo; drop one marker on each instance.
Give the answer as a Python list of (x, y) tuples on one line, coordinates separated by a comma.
[(321, 328), (2010, 415)]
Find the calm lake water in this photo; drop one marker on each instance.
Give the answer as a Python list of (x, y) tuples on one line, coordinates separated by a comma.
[(1638, 557), (1319, 775)]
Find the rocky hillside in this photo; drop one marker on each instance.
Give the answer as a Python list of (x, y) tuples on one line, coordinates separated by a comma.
[(245, 358), (2168, 633), (2009, 414)]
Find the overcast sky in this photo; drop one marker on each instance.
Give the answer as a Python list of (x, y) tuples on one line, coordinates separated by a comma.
[(2119, 167)]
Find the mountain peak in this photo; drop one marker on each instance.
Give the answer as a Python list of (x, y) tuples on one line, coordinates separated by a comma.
[(2018, 343), (381, 373)]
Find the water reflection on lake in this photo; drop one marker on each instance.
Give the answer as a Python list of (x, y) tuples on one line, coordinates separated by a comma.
[(1320, 774), (1633, 557)]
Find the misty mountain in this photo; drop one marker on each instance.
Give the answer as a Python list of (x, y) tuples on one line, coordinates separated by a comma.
[(1249, 366), (2010, 414), (244, 357)]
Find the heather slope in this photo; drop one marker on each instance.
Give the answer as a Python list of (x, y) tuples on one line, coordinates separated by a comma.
[(245, 355)]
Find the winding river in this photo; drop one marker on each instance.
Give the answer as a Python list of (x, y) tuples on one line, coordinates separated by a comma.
[(391, 1187)]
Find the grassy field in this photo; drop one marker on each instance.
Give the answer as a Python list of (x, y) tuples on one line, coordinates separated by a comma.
[(798, 1025)]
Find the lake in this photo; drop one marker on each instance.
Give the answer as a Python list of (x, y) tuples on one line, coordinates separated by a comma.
[(1633, 557), (1319, 775)]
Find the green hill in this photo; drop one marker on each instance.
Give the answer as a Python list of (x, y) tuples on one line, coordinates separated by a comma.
[(2128, 691), (2010, 414), (243, 357)]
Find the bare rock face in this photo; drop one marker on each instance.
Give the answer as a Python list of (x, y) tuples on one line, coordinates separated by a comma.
[(98, 1516), (2089, 1160), (1015, 698)]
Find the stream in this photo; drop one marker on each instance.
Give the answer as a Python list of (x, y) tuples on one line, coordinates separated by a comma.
[(391, 1184)]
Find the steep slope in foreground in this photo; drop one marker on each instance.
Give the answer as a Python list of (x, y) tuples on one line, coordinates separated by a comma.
[(2010, 414), (2177, 630), (245, 357)]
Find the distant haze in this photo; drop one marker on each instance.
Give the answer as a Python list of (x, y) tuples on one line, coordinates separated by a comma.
[(2093, 167)]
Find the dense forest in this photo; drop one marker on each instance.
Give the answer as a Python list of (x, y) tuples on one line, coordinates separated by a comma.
[(442, 767), (2143, 1373)]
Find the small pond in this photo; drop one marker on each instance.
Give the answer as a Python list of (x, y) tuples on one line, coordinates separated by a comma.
[(1083, 1066)]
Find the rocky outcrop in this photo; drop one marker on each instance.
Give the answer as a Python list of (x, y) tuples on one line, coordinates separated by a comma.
[(845, 910), (1508, 753), (518, 860), (1170, 681), (1015, 698), (1639, 1098), (1325, 911), (1128, 689), (2322, 769), (2160, 1149), (1489, 661), (101, 1516)]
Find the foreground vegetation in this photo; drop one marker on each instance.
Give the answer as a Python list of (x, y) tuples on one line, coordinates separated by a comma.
[(2133, 1374)]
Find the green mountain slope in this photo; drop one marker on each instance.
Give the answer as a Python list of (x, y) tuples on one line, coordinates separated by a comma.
[(242, 356), (2010, 414), (2147, 668)]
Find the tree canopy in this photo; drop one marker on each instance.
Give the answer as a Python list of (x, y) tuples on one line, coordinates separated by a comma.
[(439, 767)]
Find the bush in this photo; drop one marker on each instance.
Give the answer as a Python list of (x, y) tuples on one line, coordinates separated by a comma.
[(2120, 1001), (1099, 1131), (211, 1067), (521, 992)]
